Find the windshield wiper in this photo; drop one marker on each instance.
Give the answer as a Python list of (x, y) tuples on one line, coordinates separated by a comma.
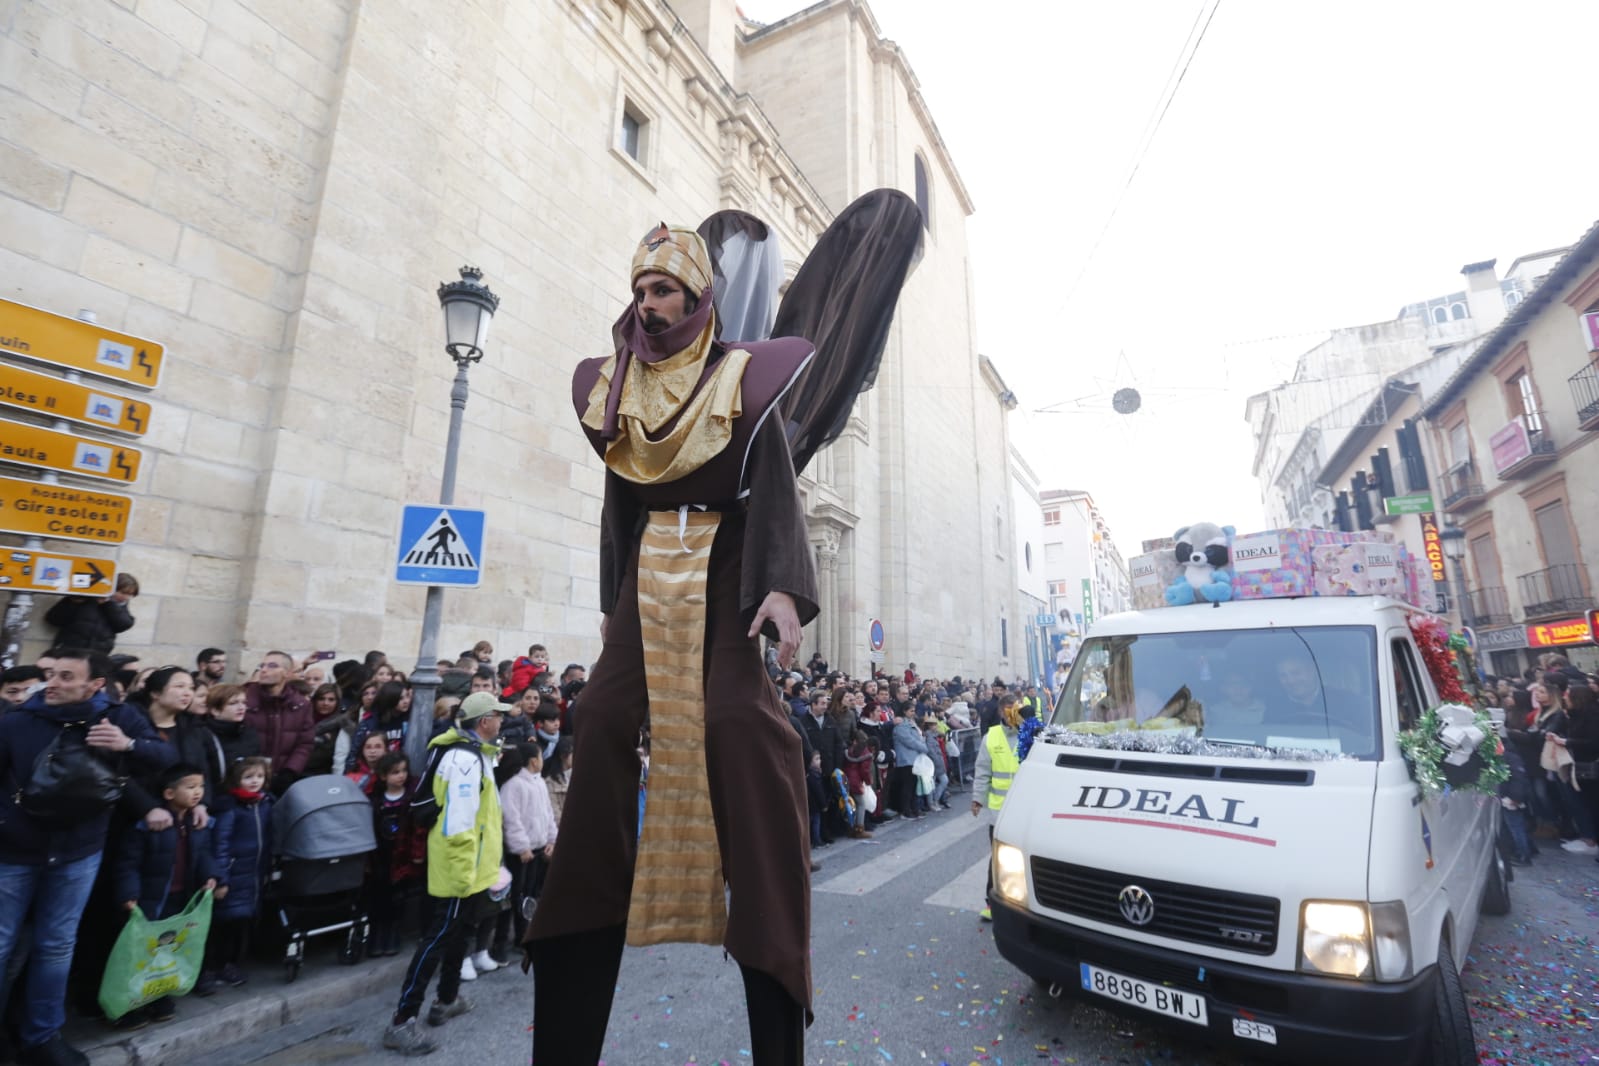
[(1232, 743)]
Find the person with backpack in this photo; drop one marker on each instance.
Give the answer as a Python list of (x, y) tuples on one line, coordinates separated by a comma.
[(458, 801), (54, 816)]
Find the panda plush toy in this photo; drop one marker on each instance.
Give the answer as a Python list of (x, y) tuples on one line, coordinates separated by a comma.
[(1204, 552)]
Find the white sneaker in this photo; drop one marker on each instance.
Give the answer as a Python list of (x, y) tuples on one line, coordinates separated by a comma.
[(468, 973), (1580, 847), (483, 963)]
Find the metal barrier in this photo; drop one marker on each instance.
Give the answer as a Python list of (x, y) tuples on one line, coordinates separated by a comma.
[(961, 747)]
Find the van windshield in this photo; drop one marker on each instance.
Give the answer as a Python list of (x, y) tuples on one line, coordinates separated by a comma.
[(1309, 688)]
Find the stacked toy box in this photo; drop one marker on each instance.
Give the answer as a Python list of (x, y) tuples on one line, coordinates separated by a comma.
[(1151, 573), (1322, 562)]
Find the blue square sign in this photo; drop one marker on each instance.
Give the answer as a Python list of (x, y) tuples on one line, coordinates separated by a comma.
[(440, 544)]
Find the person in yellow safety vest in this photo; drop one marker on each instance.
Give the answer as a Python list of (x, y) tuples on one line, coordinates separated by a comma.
[(996, 769)]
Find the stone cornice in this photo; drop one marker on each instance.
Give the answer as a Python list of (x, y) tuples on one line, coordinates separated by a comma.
[(756, 168), (882, 50)]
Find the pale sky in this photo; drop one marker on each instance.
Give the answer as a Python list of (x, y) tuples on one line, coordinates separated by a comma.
[(1321, 165)]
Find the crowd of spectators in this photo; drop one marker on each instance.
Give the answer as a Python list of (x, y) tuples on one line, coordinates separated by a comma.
[(208, 752), (1551, 717)]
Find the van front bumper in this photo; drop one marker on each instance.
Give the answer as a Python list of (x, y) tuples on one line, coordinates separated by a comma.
[(1317, 1019)]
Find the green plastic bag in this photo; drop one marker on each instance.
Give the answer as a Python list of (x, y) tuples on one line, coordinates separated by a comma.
[(152, 960)]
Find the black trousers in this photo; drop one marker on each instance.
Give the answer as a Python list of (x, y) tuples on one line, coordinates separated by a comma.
[(443, 943), (903, 783), (574, 980)]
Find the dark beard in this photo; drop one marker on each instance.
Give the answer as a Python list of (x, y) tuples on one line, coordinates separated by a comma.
[(655, 324)]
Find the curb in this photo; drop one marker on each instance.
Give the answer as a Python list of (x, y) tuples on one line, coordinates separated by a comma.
[(232, 1021)]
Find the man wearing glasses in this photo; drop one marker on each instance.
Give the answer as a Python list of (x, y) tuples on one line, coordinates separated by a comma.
[(211, 666)]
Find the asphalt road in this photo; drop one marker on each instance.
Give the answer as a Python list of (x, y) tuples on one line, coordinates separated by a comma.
[(906, 973)]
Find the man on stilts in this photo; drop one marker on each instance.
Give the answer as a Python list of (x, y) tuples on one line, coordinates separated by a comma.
[(703, 544), (702, 423)]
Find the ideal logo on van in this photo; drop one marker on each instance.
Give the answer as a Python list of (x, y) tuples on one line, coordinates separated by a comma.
[(1169, 810), (1260, 551)]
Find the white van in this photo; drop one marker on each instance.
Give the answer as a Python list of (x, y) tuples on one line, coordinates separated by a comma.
[(1264, 873)]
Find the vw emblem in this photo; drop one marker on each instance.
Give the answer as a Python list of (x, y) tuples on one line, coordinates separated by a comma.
[(1137, 906)]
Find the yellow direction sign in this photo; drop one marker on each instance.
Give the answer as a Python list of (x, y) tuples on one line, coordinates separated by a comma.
[(60, 398), (37, 571), (37, 446), (61, 341), (65, 512)]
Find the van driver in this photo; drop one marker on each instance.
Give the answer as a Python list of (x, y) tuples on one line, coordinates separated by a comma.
[(1305, 701)]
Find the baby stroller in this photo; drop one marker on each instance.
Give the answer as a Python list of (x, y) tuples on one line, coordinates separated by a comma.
[(322, 829)]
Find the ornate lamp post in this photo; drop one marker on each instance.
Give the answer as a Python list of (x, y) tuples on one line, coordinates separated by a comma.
[(1454, 545), (469, 307)]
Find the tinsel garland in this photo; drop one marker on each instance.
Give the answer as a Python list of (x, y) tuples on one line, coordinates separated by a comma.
[(1432, 637), (1172, 742), (1425, 753)]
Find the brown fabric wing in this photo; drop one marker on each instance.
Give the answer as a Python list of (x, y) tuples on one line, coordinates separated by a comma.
[(842, 301)]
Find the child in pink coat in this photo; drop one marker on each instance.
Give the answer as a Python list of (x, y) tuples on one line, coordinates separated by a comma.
[(529, 822)]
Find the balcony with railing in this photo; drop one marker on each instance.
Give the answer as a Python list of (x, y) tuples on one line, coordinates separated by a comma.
[(1585, 392), (1521, 446), (1462, 486), (1489, 606), (1553, 592)]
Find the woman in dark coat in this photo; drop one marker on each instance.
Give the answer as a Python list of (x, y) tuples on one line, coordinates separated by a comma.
[(390, 715), (166, 699)]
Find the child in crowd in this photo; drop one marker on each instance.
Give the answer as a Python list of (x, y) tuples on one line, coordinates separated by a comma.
[(242, 832), (444, 709), (526, 669), (159, 870), (400, 861), (816, 790), (547, 728), (938, 796), (858, 772), (557, 775), (365, 774), (226, 705), (517, 725), (529, 837), (1031, 725)]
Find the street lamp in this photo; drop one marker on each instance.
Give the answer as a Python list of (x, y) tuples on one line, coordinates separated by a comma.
[(1454, 545), (468, 307)]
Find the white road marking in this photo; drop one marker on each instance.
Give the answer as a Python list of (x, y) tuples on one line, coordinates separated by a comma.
[(965, 893), (901, 858)]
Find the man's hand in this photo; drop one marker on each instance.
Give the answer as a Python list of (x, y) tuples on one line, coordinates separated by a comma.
[(549, 851), (107, 735), (130, 905), (526, 855), (221, 892), (158, 818), (202, 817), (976, 806), (210, 884), (779, 607)]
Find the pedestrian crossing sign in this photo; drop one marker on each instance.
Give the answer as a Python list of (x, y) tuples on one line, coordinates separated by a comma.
[(440, 545)]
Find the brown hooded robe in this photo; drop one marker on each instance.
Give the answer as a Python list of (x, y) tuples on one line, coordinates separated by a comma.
[(752, 754)]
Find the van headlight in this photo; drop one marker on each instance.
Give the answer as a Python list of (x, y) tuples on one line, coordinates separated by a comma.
[(1355, 940), (1010, 873), (1335, 938)]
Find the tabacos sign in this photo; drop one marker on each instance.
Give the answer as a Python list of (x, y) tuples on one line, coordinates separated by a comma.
[(1559, 634), (1159, 808), (1433, 543)]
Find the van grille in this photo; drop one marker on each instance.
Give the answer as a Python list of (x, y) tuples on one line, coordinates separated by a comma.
[(1181, 912)]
